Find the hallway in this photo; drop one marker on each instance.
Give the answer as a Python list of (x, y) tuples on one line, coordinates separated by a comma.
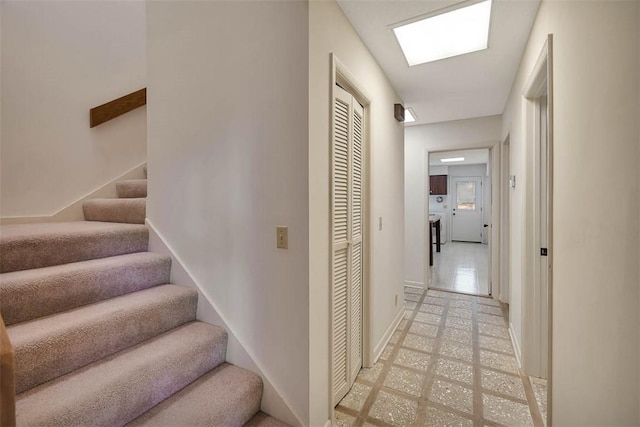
[(449, 363)]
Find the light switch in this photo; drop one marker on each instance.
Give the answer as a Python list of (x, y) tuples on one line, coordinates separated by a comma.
[(282, 237), (379, 223)]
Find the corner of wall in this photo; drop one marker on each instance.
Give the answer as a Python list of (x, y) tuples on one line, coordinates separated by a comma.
[(382, 343), (73, 211), (516, 345)]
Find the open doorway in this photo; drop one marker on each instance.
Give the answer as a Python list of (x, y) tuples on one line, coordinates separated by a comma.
[(459, 217)]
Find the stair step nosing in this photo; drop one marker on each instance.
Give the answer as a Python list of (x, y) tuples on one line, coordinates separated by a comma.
[(51, 346), (29, 246), (116, 381), (28, 294), (219, 392)]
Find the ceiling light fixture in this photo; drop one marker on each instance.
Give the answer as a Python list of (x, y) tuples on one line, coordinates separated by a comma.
[(456, 32), (452, 159), (409, 116)]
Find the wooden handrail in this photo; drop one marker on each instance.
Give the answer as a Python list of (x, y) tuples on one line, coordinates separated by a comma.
[(117, 107), (7, 379)]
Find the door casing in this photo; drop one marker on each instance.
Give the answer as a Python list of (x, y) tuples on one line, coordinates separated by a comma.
[(537, 302), (341, 75)]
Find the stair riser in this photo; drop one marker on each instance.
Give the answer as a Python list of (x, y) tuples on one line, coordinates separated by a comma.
[(228, 396), (132, 189), (48, 250), (31, 294), (122, 387), (126, 211), (54, 351)]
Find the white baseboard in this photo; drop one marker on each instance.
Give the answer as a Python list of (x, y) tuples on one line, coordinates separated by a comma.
[(272, 401), (411, 284), (516, 345), (379, 348), (73, 211)]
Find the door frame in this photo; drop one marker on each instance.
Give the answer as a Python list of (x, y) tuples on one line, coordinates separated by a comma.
[(427, 229), (342, 76), (504, 264), (536, 304)]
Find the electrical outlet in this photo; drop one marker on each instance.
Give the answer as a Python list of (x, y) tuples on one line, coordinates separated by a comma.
[(282, 237)]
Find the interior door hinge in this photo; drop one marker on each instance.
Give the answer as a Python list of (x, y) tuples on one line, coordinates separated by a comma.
[(543, 251)]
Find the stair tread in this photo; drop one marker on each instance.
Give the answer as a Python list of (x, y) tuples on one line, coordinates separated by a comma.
[(263, 420), (132, 188), (132, 181), (48, 347), (126, 210), (12, 232), (28, 294), (117, 389), (227, 396), (27, 246)]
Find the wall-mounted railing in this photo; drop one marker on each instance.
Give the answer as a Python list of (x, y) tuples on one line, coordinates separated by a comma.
[(117, 107), (7, 379)]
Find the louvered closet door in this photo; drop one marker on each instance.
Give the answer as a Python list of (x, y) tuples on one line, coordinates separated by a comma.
[(356, 241), (347, 203)]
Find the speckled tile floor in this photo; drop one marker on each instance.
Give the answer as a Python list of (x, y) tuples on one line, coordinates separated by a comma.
[(450, 363)]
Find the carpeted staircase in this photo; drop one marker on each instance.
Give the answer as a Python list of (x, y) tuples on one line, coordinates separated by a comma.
[(102, 338)]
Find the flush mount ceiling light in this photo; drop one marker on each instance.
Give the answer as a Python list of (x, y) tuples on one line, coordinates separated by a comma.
[(452, 159), (408, 116), (455, 32)]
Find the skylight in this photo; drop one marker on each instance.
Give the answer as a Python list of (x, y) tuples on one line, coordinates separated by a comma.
[(453, 33), (452, 159), (408, 116)]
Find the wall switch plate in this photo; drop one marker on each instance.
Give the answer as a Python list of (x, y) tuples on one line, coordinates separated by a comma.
[(282, 237)]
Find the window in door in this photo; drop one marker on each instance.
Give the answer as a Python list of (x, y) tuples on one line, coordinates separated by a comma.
[(466, 196)]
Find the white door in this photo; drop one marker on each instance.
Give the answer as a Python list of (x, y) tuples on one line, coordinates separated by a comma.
[(466, 215), (346, 235)]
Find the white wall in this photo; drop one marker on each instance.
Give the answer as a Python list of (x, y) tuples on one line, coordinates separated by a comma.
[(329, 31), (419, 140), (59, 59), (595, 374), (228, 162)]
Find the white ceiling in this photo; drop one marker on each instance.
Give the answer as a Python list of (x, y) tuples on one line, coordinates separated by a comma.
[(471, 157), (472, 85)]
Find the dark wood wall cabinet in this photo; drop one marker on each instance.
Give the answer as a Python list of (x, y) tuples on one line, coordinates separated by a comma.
[(438, 185)]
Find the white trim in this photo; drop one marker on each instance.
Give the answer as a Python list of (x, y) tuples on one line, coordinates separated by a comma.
[(73, 211), (417, 285), (274, 401), (536, 307), (515, 344), (387, 334)]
